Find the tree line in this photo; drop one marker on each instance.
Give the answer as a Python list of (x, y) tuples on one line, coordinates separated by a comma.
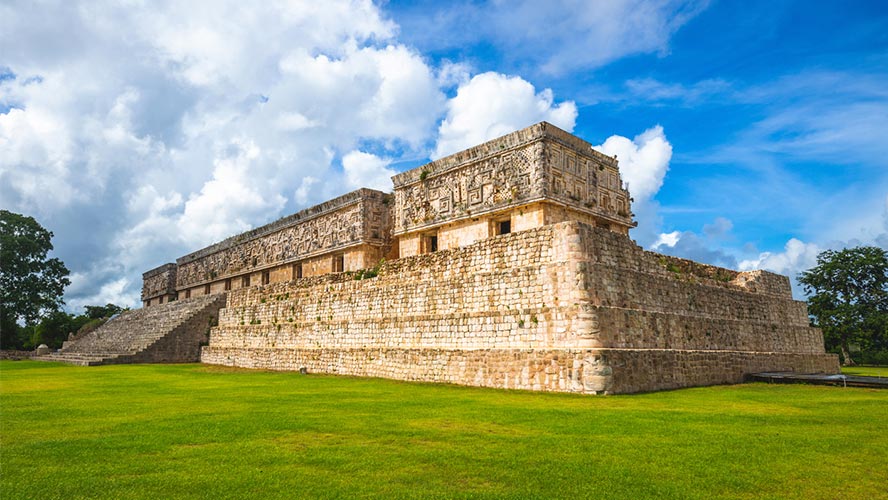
[(32, 286), (847, 295)]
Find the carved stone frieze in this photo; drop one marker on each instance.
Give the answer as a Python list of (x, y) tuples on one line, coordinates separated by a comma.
[(159, 281), (539, 162), (355, 218)]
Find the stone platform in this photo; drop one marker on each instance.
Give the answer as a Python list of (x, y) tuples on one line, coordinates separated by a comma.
[(564, 307)]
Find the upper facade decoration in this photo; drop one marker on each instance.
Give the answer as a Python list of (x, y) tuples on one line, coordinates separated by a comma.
[(359, 217), (541, 162), (159, 282)]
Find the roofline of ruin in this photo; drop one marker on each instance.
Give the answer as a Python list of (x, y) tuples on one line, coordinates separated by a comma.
[(536, 132), (299, 217)]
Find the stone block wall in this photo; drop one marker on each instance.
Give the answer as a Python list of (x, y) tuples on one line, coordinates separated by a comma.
[(465, 191), (348, 232), (159, 285), (565, 307)]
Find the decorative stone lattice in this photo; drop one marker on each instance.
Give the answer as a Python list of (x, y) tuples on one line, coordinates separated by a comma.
[(360, 217), (536, 163), (160, 281)]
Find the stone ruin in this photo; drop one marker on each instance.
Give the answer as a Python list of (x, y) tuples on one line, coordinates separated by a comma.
[(506, 265)]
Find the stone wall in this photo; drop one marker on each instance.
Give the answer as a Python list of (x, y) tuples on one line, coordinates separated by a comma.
[(159, 282), (357, 219), (540, 162), (563, 307)]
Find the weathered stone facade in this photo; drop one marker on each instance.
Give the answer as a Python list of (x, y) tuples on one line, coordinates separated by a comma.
[(535, 176), (509, 265), (159, 285), (347, 233), (563, 307)]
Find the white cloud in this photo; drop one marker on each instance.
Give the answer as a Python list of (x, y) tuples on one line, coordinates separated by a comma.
[(304, 189), (667, 240), (643, 160), (491, 104), (797, 256), (118, 291), (691, 246), (367, 170), (453, 74), (643, 163), (139, 132)]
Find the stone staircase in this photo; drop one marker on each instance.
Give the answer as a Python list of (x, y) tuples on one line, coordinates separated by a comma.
[(168, 333)]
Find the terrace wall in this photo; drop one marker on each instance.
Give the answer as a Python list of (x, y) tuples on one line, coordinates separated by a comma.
[(564, 307)]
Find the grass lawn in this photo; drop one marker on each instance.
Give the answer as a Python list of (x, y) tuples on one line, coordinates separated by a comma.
[(193, 431), (866, 371)]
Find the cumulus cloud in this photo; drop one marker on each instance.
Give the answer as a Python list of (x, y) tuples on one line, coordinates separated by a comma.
[(367, 170), (643, 160), (491, 104), (643, 163), (689, 245), (140, 132), (116, 291), (796, 256), (667, 239)]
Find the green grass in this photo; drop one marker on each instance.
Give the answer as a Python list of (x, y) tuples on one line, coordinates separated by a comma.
[(866, 371), (192, 431)]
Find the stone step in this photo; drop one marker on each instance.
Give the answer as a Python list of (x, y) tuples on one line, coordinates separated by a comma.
[(133, 332)]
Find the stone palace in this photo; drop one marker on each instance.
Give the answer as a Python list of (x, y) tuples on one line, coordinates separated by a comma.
[(506, 265)]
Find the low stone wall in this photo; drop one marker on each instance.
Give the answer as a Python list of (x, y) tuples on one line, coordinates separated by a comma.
[(14, 355), (564, 307), (558, 370), (591, 371)]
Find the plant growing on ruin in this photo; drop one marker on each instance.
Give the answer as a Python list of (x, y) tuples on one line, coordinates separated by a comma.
[(423, 175), (369, 273)]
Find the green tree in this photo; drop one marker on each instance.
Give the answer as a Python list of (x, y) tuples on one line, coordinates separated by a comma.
[(31, 285), (105, 311), (848, 298), (53, 328)]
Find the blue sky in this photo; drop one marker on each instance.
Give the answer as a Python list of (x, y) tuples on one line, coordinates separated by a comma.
[(752, 134)]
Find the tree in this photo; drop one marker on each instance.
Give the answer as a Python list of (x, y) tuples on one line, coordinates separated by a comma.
[(31, 285), (106, 311), (848, 298)]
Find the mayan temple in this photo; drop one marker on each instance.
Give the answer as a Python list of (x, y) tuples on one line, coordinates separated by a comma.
[(506, 265)]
